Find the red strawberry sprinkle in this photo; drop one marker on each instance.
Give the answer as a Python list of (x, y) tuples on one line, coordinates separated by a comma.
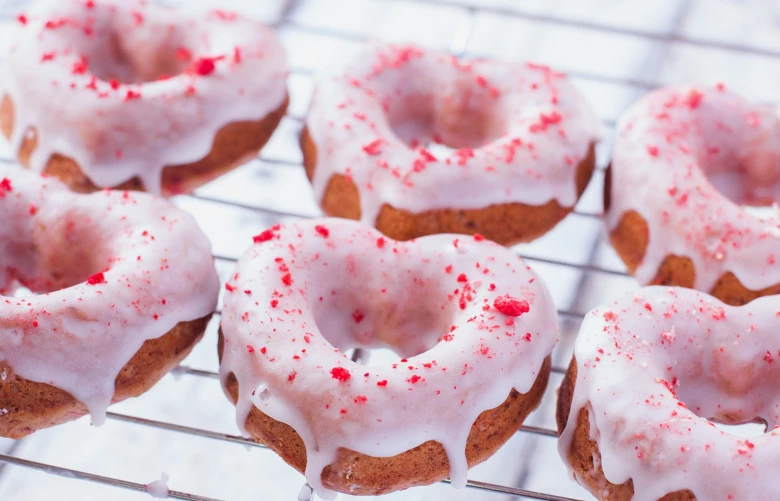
[(97, 278), (373, 148), (131, 95), (81, 66), (5, 187), (205, 66), (340, 373), (265, 235), (511, 306)]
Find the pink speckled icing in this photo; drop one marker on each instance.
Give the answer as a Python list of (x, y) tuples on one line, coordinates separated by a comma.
[(472, 320), (522, 130), (673, 148), (654, 366), (64, 55), (111, 270)]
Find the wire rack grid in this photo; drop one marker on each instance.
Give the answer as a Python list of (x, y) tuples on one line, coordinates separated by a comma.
[(613, 52)]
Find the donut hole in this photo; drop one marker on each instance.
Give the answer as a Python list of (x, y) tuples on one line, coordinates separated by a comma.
[(729, 392), (458, 115), (753, 185), (384, 334), (61, 253), (744, 166), (752, 428), (355, 316), (729, 418), (127, 46), (124, 60)]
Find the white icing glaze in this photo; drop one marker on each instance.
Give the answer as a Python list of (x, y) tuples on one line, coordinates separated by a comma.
[(345, 280), (527, 128), (635, 357), (159, 488), (152, 269), (111, 135), (668, 144)]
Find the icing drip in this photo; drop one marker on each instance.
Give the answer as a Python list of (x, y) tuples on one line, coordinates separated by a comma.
[(654, 366), (113, 269), (159, 488), (306, 493), (675, 148), (127, 88), (521, 130), (470, 318)]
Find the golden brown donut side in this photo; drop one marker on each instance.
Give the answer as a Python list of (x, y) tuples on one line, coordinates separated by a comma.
[(33, 406), (630, 239), (503, 223), (359, 474), (584, 455), (234, 144)]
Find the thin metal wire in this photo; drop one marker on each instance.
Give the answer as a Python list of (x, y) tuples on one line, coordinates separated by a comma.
[(237, 439), (588, 268), (177, 428), (663, 37), (284, 213), (189, 430), (571, 72), (514, 491), (92, 477)]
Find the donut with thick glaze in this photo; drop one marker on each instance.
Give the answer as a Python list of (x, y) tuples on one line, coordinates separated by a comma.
[(110, 94), (474, 325), (687, 161), (122, 285), (524, 140), (651, 373)]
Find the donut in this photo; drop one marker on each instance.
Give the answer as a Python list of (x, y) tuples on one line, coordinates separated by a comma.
[(523, 141), (474, 325), (129, 95), (120, 286), (651, 373), (691, 168)]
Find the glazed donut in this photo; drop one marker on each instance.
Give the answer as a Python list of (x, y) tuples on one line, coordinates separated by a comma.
[(650, 374), (684, 160), (525, 140), (474, 324), (129, 95), (122, 285)]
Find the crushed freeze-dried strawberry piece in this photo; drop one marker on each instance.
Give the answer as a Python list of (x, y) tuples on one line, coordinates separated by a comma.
[(340, 373), (97, 278), (511, 306), (5, 187)]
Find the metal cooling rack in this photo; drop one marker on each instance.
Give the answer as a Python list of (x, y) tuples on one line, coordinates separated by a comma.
[(594, 271)]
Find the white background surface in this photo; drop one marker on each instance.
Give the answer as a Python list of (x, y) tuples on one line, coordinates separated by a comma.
[(615, 50)]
